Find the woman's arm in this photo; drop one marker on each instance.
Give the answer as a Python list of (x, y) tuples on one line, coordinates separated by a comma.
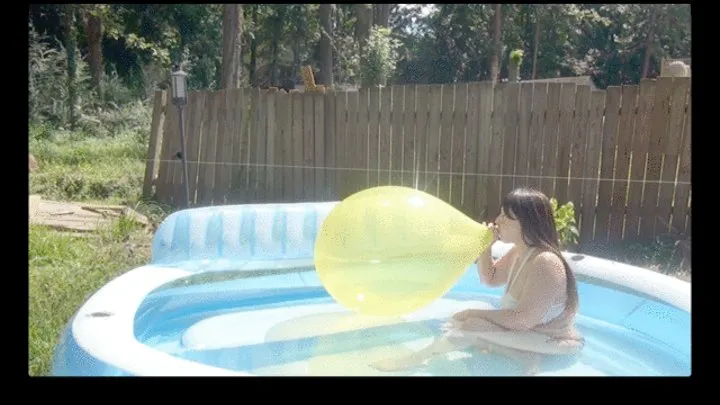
[(495, 273)]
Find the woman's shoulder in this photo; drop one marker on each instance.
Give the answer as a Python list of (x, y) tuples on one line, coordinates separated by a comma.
[(548, 265)]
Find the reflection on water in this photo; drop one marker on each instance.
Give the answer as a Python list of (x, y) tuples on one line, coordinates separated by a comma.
[(343, 344)]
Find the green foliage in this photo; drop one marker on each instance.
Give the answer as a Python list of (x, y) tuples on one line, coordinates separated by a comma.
[(121, 108), (516, 56), (380, 54), (565, 223)]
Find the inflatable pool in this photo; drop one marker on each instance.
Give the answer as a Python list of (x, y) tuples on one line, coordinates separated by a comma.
[(231, 290)]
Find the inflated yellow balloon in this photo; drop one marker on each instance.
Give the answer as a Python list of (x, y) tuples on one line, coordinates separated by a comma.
[(392, 250)]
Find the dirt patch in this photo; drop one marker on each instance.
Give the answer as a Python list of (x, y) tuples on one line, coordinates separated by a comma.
[(77, 217)]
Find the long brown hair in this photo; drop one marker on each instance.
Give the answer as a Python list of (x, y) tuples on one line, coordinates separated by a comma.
[(533, 210)]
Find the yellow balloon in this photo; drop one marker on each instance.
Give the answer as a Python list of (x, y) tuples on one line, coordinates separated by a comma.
[(391, 250)]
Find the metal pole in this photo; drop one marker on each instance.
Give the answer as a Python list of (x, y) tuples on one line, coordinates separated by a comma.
[(184, 158)]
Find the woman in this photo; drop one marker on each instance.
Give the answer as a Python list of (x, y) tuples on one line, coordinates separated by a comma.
[(538, 309)]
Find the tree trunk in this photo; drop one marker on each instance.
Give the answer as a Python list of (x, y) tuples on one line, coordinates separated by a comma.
[(94, 33), (497, 44), (278, 23), (232, 37), (536, 45), (297, 40), (71, 49), (649, 42), (363, 14), (382, 14), (326, 52), (253, 46)]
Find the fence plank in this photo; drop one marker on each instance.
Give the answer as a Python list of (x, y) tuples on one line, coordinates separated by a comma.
[(550, 140), (283, 146), (270, 145), (219, 180), (234, 128), (223, 154), (168, 156), (178, 192), (512, 101), (459, 138), (155, 142), (607, 163), (308, 171), (577, 150), (321, 193), (260, 136), (536, 137), (206, 176), (681, 201), (374, 137), (639, 157), (432, 143), (298, 147), (340, 135), (524, 153), (670, 144), (355, 161), (397, 154), (658, 129), (495, 158), (470, 151), (621, 189), (363, 137), (329, 123), (445, 141), (193, 139), (241, 148), (409, 144), (565, 128), (385, 136), (422, 112), (592, 166)]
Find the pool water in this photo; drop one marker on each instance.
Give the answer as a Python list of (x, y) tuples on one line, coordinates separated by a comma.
[(302, 331)]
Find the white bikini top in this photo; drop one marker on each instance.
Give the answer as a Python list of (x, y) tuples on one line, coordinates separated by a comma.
[(509, 302)]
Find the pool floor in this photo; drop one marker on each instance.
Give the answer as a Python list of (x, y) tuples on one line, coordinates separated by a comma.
[(317, 337)]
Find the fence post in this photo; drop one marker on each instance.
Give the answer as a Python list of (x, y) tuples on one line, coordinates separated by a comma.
[(155, 140)]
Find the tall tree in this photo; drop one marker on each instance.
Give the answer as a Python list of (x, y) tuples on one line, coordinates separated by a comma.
[(536, 41), (92, 16), (326, 51), (232, 40), (364, 20), (382, 14), (649, 41), (497, 43)]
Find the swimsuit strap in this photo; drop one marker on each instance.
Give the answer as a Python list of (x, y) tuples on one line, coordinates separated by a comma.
[(515, 270)]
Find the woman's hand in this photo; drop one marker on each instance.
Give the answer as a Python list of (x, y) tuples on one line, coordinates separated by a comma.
[(496, 237), (496, 234), (463, 316)]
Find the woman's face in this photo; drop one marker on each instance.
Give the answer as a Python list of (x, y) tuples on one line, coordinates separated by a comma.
[(509, 229)]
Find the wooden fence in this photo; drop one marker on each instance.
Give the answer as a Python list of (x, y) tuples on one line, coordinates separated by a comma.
[(621, 155)]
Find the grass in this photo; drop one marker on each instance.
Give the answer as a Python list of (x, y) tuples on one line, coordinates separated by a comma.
[(76, 167), (65, 268)]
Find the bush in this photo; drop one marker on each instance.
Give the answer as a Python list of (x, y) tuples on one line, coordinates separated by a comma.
[(565, 224)]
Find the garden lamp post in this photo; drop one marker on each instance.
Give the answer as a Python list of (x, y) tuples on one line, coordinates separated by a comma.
[(179, 98)]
